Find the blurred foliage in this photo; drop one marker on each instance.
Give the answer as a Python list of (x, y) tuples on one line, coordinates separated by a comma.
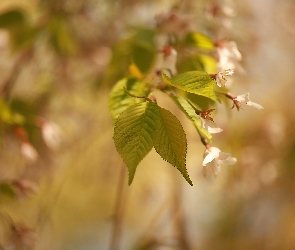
[(59, 61)]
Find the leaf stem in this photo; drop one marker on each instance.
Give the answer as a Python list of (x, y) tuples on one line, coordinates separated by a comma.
[(141, 96)]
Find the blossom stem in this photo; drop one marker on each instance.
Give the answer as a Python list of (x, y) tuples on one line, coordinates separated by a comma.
[(227, 94), (203, 140)]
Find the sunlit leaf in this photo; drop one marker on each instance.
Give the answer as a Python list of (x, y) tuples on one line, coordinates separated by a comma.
[(200, 40), (209, 63), (189, 111), (171, 143), (200, 101), (119, 100), (135, 71), (134, 133), (196, 82)]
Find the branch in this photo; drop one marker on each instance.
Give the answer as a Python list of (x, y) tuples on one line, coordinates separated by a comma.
[(10, 82), (118, 210)]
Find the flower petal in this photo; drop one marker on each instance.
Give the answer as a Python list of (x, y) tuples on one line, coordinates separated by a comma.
[(208, 158), (215, 167), (254, 105), (210, 126), (215, 151), (243, 98), (223, 156), (229, 161)]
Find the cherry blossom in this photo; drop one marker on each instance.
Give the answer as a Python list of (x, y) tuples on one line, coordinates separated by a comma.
[(229, 56), (51, 133), (175, 23), (228, 49), (29, 152), (213, 158), (210, 126), (220, 77), (24, 187), (244, 99), (166, 60), (22, 236), (207, 122)]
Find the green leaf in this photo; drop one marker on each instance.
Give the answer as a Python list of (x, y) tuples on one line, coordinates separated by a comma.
[(134, 133), (143, 48), (199, 101), (7, 190), (119, 100), (196, 82), (199, 40), (142, 57), (12, 18), (171, 143), (9, 116), (209, 63), (144, 125), (61, 36), (189, 111)]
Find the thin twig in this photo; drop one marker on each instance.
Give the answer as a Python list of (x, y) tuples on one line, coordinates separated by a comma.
[(154, 227), (119, 207), (17, 67)]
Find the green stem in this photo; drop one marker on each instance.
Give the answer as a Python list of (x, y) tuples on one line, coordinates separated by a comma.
[(141, 96)]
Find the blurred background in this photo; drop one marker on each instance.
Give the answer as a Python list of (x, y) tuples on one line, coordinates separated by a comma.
[(62, 183)]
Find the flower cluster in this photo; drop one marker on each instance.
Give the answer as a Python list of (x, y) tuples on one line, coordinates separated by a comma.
[(213, 157)]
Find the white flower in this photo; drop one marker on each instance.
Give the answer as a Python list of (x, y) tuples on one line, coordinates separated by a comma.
[(228, 49), (229, 56), (166, 61), (175, 23), (22, 236), (220, 77), (24, 187), (210, 126), (51, 134), (244, 99), (219, 12), (29, 152), (213, 158)]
